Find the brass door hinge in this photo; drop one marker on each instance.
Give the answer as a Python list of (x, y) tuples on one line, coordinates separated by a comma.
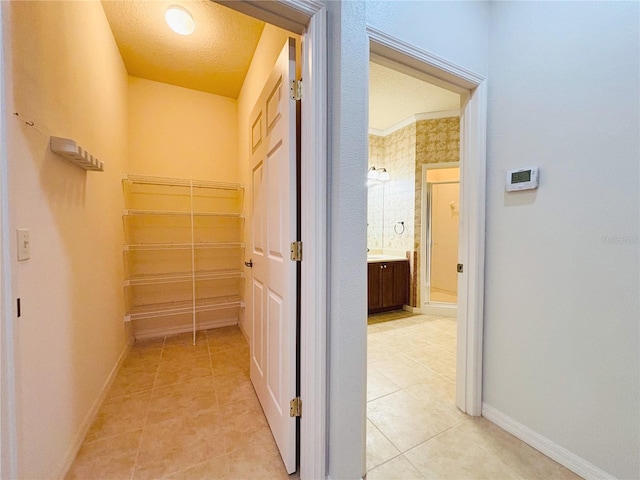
[(296, 251), (295, 90), (295, 407), (460, 268)]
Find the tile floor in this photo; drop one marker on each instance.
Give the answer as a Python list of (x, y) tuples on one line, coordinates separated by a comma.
[(179, 411), (414, 430)]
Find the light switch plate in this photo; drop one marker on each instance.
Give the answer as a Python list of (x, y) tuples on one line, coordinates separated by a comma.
[(24, 244)]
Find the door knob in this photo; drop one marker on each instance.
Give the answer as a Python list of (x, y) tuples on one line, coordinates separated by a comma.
[(249, 264)]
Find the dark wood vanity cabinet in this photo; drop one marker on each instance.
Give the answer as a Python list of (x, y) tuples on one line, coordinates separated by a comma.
[(388, 285)]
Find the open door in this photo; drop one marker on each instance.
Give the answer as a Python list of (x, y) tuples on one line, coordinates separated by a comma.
[(273, 282)]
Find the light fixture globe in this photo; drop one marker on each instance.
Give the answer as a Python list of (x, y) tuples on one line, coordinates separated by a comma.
[(383, 175), (372, 174), (180, 20)]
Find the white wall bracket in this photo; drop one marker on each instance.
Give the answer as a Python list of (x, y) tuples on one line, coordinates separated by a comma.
[(70, 150)]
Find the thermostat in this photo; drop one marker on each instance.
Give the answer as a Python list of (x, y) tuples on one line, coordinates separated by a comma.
[(522, 179)]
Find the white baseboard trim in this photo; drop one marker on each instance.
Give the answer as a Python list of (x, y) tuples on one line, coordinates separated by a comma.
[(564, 457), (442, 310), (166, 331), (68, 459)]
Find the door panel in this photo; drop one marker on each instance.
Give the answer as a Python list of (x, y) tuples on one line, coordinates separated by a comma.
[(273, 313), (400, 282)]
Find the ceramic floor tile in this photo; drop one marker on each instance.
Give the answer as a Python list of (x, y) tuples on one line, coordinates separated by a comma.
[(441, 389), (242, 420), (455, 455), (215, 469), (406, 422), (379, 448), (130, 380), (256, 464), (256, 432), (378, 385), (373, 328), (230, 361), (403, 371), (233, 387), (380, 353), (435, 358), (142, 359), (182, 399), (221, 339), (184, 351), (119, 415), (397, 469), (174, 445), (183, 370), (108, 459), (523, 460)]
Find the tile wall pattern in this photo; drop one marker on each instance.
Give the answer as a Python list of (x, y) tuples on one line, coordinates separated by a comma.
[(403, 153), (438, 141)]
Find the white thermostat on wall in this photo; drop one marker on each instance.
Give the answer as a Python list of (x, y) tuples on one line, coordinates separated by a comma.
[(522, 179)]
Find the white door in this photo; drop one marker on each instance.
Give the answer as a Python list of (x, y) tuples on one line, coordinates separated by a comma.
[(273, 282)]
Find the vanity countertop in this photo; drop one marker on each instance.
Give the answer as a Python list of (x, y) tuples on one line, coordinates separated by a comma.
[(375, 258)]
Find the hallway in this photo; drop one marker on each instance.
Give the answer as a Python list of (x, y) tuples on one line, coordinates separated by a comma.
[(414, 430), (179, 411)]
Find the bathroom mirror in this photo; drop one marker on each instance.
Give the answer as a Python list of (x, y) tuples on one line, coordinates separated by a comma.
[(375, 216)]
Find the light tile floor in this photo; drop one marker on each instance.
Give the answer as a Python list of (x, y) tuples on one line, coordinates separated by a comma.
[(414, 430), (179, 411)]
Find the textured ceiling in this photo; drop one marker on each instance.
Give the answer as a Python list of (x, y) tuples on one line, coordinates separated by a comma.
[(395, 96), (213, 59)]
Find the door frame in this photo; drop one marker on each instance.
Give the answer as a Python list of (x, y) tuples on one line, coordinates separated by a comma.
[(8, 434), (404, 57), (309, 19)]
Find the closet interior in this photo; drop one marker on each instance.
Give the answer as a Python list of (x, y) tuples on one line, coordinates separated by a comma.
[(183, 250)]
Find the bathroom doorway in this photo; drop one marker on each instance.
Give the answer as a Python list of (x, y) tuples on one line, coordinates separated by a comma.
[(412, 240), (441, 218)]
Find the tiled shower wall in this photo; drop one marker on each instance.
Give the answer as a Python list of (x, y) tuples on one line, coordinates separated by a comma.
[(403, 153)]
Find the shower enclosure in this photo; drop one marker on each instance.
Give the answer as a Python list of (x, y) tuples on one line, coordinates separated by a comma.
[(443, 213)]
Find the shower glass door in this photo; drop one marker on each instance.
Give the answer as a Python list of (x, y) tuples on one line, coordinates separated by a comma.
[(444, 212)]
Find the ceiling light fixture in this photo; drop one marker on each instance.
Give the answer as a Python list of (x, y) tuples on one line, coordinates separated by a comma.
[(180, 20)]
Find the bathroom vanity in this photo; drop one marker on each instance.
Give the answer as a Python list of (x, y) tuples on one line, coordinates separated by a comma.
[(388, 283)]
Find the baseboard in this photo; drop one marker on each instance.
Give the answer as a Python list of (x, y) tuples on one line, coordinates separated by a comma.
[(564, 457), (441, 310), (90, 417), (166, 331), (410, 309)]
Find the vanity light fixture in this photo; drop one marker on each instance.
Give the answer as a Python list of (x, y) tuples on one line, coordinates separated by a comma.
[(180, 20), (380, 174)]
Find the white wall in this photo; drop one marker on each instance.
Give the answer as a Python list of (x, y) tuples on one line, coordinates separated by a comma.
[(66, 75), (457, 31), (562, 266)]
